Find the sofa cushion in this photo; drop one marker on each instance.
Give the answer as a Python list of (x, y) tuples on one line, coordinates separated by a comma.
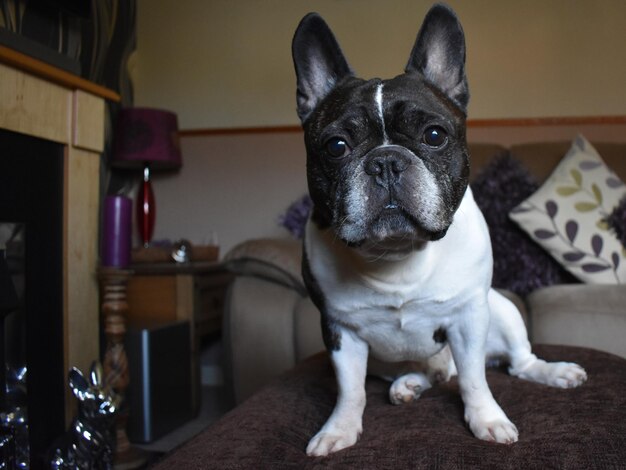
[(481, 155), (541, 158), (584, 427), (566, 216), (587, 315)]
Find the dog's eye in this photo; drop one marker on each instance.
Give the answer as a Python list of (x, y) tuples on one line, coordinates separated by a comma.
[(435, 136), (337, 147)]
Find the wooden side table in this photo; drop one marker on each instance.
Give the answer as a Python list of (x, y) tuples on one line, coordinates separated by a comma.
[(169, 292)]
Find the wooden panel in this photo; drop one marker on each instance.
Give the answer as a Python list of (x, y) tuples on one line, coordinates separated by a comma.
[(548, 121), (53, 74), (184, 298), (210, 299), (81, 254), (34, 107), (471, 123), (152, 299), (508, 135), (155, 299), (88, 121)]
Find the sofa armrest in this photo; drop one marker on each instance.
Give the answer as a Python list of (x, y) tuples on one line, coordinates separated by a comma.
[(258, 333), (580, 315), (259, 316), (273, 259)]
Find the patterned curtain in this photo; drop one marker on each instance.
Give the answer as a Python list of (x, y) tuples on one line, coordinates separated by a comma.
[(93, 39)]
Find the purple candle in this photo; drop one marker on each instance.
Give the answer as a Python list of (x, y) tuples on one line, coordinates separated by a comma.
[(117, 231)]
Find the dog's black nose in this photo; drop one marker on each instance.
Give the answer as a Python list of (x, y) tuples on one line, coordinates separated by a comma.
[(386, 169)]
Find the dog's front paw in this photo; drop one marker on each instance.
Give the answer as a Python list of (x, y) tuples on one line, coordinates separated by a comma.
[(326, 442), (555, 374), (491, 428), (408, 388)]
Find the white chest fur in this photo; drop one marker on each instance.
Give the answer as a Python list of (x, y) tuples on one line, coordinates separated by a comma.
[(396, 306)]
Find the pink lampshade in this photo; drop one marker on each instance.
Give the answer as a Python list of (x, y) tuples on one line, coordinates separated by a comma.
[(146, 135)]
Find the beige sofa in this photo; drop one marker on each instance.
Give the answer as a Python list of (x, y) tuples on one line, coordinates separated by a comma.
[(270, 324)]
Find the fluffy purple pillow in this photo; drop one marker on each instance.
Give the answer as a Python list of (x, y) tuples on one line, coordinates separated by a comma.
[(617, 221), (520, 265), (295, 217)]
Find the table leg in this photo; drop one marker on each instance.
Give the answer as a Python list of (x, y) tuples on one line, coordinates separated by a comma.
[(116, 374)]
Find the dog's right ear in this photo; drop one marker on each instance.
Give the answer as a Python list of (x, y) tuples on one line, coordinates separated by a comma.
[(319, 62)]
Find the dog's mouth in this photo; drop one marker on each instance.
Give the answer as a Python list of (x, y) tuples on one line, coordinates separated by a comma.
[(395, 222), (394, 230)]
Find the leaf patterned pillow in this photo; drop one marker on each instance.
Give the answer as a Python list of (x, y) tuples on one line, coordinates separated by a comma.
[(567, 216)]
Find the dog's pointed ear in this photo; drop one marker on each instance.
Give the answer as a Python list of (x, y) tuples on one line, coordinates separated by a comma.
[(439, 54), (319, 62)]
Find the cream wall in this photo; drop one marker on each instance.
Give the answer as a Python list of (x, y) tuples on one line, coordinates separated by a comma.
[(235, 187), (227, 63)]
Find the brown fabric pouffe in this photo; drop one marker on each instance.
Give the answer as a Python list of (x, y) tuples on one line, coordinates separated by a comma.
[(581, 428)]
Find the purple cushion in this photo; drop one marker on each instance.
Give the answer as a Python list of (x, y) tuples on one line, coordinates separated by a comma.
[(520, 265), (295, 217), (617, 221)]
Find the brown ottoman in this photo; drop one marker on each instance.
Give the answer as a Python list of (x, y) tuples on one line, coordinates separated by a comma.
[(581, 428)]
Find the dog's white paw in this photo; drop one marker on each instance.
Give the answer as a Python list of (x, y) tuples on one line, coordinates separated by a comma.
[(408, 388), (555, 374), (492, 426), (326, 442), (500, 431)]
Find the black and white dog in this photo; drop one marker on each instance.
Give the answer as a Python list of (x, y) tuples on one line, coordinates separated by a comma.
[(397, 254)]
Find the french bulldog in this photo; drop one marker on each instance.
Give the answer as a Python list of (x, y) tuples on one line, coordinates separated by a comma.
[(397, 255)]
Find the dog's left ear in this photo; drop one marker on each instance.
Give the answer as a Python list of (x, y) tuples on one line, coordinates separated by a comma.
[(439, 54), (320, 64)]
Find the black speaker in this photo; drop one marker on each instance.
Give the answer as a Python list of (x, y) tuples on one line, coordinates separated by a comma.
[(159, 394)]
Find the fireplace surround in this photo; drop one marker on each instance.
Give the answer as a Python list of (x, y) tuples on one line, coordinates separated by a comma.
[(31, 200), (67, 114)]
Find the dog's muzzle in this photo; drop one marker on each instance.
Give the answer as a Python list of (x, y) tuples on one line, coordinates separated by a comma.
[(386, 170)]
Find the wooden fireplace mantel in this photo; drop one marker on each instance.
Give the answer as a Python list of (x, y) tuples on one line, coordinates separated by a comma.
[(53, 74), (73, 116)]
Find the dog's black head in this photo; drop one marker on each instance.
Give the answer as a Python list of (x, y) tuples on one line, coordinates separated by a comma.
[(387, 161)]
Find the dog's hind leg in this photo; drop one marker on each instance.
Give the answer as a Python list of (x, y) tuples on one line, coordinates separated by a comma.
[(408, 388), (508, 340), (408, 378), (411, 378)]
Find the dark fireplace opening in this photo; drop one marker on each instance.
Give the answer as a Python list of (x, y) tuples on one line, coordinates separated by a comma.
[(31, 243)]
